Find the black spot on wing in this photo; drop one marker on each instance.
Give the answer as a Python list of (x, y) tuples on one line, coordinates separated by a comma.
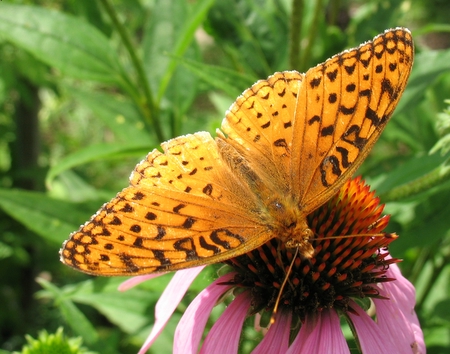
[(150, 216), (315, 82), (135, 228), (326, 131), (208, 246), (186, 245), (187, 224), (115, 221)]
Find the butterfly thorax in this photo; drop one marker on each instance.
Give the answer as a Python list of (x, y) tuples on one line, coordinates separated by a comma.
[(282, 214), (290, 226)]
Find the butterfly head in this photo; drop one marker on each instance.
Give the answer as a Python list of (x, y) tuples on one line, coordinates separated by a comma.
[(301, 239), (292, 227)]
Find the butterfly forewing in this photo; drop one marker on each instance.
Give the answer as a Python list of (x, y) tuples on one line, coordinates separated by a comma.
[(259, 125), (343, 106), (287, 145), (183, 208)]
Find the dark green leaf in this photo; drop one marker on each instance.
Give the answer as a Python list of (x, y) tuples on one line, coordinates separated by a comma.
[(52, 219), (60, 40), (117, 113), (428, 66), (73, 316), (128, 310), (231, 82), (95, 152)]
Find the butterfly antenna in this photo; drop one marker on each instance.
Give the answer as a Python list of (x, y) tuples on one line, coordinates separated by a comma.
[(277, 302), (381, 234)]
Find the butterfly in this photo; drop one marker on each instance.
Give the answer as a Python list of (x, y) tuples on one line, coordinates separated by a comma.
[(285, 147)]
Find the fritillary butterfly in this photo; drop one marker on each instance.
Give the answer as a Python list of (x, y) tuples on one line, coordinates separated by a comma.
[(286, 146)]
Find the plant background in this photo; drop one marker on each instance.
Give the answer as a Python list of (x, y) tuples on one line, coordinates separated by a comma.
[(87, 88)]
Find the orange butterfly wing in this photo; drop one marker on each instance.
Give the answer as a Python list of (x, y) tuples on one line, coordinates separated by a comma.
[(183, 208), (287, 145), (345, 103), (306, 134)]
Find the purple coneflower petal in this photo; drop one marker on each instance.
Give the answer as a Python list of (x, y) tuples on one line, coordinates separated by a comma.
[(276, 339), (397, 316), (371, 337), (169, 301), (321, 333), (223, 338), (191, 326), (132, 282)]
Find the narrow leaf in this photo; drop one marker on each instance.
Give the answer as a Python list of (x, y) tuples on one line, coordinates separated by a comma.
[(93, 153), (229, 81), (52, 219)]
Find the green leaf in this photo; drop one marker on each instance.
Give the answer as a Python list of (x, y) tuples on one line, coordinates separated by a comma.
[(95, 152), (425, 222), (407, 171), (129, 310), (71, 187), (162, 31), (428, 66), (170, 30), (231, 82), (52, 219), (69, 44), (73, 316), (184, 38), (442, 310), (117, 113), (432, 27)]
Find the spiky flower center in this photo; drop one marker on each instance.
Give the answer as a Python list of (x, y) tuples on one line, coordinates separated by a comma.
[(348, 259)]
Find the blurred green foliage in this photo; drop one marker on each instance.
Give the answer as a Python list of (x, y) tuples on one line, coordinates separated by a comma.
[(87, 88), (53, 344)]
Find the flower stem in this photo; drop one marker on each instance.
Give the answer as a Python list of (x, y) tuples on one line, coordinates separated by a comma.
[(146, 105), (295, 35), (437, 176)]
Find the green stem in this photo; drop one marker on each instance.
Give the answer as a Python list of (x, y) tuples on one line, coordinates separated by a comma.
[(295, 35), (146, 105), (312, 33), (437, 176)]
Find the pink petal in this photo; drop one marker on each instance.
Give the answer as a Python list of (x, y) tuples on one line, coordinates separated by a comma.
[(277, 338), (169, 301), (403, 290), (396, 316), (370, 335), (223, 338), (191, 326), (321, 333), (132, 282)]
